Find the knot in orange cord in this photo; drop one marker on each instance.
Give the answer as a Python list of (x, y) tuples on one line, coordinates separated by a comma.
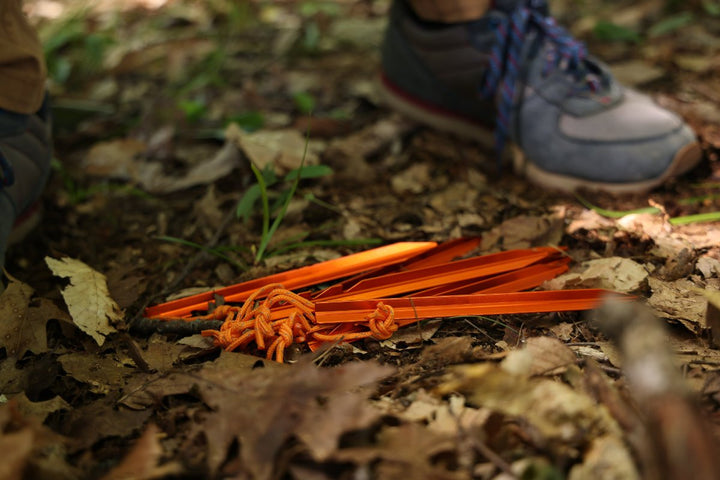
[(253, 321), (382, 321)]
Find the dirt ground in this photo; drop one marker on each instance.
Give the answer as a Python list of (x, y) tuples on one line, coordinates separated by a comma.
[(159, 108)]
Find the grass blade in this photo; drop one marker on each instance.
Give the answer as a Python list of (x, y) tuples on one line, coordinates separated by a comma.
[(211, 251), (268, 233), (614, 213)]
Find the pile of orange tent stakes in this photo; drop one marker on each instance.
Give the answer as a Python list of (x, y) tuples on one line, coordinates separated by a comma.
[(379, 291)]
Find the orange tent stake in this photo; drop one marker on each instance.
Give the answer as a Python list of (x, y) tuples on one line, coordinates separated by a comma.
[(389, 287), (298, 278), (443, 253), (411, 309), (515, 281)]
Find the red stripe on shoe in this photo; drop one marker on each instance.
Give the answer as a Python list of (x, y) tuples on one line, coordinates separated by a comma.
[(430, 107)]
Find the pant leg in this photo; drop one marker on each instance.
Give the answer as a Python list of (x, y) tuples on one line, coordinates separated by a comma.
[(449, 11), (22, 64)]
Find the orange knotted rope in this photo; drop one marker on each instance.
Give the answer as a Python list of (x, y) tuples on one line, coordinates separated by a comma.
[(252, 322)]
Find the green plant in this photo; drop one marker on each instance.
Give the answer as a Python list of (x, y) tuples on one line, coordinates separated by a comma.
[(268, 229), (216, 251), (274, 195), (248, 121), (77, 194), (684, 220), (268, 179), (611, 32), (69, 48), (670, 24), (304, 102), (194, 110)]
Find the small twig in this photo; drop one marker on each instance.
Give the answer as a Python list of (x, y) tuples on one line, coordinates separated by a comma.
[(189, 267), (480, 330), (135, 353), (148, 326)]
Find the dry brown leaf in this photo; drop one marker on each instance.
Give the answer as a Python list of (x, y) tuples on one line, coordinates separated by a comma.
[(414, 179), (321, 428), (368, 141), (124, 287), (22, 328), (102, 373), (549, 356), (563, 330), (407, 451), (29, 449), (16, 334), (613, 273), (12, 379), (712, 314), (555, 410), (141, 463), (17, 449), (40, 410), (708, 266), (161, 353), (141, 391), (679, 301), (87, 298), (153, 178), (608, 457), (101, 419), (590, 220), (114, 158), (413, 334), (274, 404), (526, 231), (281, 149), (442, 416)]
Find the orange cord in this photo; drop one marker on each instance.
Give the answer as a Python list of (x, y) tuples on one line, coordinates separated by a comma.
[(252, 322)]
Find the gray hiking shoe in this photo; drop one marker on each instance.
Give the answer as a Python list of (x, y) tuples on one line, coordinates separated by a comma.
[(25, 153), (569, 124)]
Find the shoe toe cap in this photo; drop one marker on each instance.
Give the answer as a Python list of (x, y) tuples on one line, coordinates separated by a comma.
[(635, 118)]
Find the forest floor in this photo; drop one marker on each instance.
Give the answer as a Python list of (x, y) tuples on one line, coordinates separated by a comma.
[(159, 107)]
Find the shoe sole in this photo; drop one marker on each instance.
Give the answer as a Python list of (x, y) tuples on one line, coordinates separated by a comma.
[(685, 160)]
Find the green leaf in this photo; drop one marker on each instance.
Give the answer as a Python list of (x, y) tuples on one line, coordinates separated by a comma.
[(309, 9), (612, 32), (310, 171), (95, 48), (311, 38), (194, 110), (697, 218), (614, 213), (304, 102), (268, 233), (246, 205), (249, 121), (670, 24), (72, 30), (265, 206), (711, 7), (60, 69)]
